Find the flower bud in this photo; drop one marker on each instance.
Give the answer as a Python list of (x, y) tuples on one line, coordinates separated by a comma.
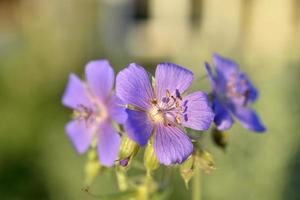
[(92, 167), (205, 160), (220, 138), (150, 161), (187, 169), (128, 150)]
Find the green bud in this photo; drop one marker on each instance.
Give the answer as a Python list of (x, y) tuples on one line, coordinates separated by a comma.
[(128, 150), (220, 138), (187, 170), (204, 160), (92, 167), (150, 161)]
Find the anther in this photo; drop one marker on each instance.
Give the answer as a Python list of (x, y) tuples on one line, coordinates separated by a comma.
[(168, 93), (154, 101), (178, 120), (178, 94)]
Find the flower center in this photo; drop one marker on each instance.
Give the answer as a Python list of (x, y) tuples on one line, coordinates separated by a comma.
[(90, 115), (170, 110), (237, 88), (156, 115)]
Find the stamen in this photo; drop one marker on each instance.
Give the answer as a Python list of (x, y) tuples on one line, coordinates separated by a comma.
[(185, 109), (154, 101), (165, 99), (185, 117), (168, 93), (178, 94), (174, 99), (178, 120), (177, 104), (156, 115)]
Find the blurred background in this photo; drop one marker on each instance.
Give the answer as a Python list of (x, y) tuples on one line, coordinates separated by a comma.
[(41, 42)]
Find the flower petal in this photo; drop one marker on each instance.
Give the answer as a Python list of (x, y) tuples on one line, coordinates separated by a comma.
[(248, 118), (133, 86), (75, 93), (198, 115), (222, 119), (138, 127), (116, 109), (169, 76), (108, 144), (171, 145), (210, 76), (100, 78), (252, 93), (79, 134), (224, 67)]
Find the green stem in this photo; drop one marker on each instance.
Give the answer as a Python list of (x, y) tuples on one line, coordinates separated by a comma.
[(122, 181), (196, 193)]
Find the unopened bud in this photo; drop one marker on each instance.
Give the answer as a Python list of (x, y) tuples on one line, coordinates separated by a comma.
[(220, 138), (128, 150), (187, 169), (92, 167), (150, 161), (205, 161)]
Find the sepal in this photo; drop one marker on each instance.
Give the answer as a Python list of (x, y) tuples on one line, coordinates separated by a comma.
[(150, 160), (128, 150)]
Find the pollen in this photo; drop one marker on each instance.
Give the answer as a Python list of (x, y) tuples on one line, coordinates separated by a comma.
[(156, 115), (178, 120)]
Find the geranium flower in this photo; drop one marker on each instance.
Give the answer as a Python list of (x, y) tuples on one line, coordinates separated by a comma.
[(233, 93), (95, 107), (163, 110)]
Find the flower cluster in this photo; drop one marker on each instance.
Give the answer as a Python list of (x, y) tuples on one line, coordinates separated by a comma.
[(155, 111)]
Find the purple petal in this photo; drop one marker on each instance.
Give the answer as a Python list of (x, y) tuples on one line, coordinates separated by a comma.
[(252, 93), (100, 78), (133, 86), (138, 127), (171, 145), (79, 134), (169, 76), (224, 67), (108, 144), (248, 118), (199, 115), (210, 76), (75, 93), (116, 109), (223, 120)]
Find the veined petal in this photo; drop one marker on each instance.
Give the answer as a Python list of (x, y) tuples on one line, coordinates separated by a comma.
[(171, 77), (108, 144), (248, 118), (222, 119), (100, 78), (133, 86), (171, 145), (79, 134), (75, 93), (198, 115), (138, 127), (224, 67), (116, 109)]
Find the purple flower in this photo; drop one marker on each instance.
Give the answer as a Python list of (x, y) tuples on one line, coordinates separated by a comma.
[(233, 93), (162, 110), (95, 106)]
